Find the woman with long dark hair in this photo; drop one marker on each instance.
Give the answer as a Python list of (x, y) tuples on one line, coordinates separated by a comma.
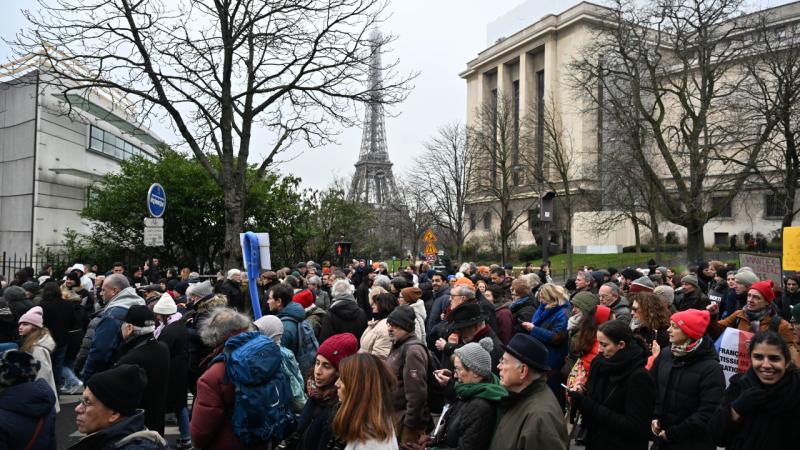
[(376, 339), (617, 402), (364, 418), (759, 407), (650, 320)]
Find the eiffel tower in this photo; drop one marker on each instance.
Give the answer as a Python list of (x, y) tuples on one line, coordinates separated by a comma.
[(373, 183)]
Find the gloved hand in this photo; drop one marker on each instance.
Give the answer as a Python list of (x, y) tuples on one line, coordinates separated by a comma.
[(750, 399), (576, 397)]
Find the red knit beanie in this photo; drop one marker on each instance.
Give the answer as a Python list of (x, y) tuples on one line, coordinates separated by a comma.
[(338, 347), (693, 322), (304, 297), (765, 289), (602, 314)]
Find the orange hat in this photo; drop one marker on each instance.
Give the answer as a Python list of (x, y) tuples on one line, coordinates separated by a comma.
[(465, 282), (484, 269)]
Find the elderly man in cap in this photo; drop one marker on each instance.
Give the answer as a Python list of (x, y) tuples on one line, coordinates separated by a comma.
[(467, 323), (610, 295), (408, 360), (691, 295), (107, 412), (531, 417), (141, 348), (231, 288)]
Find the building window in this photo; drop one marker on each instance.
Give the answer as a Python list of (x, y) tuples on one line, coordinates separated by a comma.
[(774, 205), (108, 144), (721, 239), (727, 211), (473, 221), (487, 220), (516, 123)]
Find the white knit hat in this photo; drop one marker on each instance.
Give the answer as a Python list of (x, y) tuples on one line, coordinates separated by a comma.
[(165, 305)]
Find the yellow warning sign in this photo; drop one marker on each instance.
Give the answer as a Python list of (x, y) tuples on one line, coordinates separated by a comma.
[(429, 236), (430, 248)]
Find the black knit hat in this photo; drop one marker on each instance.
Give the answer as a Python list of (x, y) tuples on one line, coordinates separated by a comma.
[(120, 389), (631, 274), (465, 316), (139, 316), (404, 317)]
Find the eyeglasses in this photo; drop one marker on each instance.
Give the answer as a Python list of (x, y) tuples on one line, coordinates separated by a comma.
[(86, 403), (508, 362)]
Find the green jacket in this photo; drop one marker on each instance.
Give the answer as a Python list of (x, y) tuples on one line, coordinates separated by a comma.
[(531, 420)]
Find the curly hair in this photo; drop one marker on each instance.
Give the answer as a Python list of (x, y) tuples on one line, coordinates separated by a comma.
[(652, 312)]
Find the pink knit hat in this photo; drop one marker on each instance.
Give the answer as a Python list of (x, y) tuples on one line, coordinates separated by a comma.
[(33, 317)]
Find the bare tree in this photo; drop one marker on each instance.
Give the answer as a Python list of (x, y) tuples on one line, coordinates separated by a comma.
[(676, 64), (498, 143), (444, 171), (220, 71), (558, 168), (412, 212), (773, 96)]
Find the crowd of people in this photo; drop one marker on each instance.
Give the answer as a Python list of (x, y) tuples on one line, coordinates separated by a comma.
[(357, 358)]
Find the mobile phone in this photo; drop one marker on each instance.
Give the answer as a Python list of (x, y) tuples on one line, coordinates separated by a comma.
[(564, 386)]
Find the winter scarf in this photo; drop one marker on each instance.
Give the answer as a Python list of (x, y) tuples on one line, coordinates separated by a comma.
[(685, 348), (320, 394), (173, 318), (493, 391)]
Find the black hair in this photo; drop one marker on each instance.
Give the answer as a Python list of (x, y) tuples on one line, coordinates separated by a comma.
[(617, 331), (283, 293), (386, 304), (399, 283), (118, 264), (440, 275), (51, 291), (499, 271), (292, 281), (771, 338)]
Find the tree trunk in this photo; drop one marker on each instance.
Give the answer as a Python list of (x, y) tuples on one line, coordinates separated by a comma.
[(695, 243), (637, 235), (234, 224), (656, 233)]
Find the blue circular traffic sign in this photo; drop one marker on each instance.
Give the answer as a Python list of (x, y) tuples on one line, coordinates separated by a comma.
[(156, 200)]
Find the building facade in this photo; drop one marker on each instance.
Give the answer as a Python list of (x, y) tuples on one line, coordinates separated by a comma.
[(531, 66), (49, 158)]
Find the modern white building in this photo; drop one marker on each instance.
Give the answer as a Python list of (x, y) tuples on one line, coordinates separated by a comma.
[(49, 159)]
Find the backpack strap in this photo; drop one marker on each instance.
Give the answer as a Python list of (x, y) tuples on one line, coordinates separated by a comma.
[(296, 350), (35, 433)]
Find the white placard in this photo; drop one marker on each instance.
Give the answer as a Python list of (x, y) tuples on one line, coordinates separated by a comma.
[(263, 250)]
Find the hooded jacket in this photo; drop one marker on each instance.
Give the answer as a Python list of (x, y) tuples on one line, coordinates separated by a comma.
[(441, 300), (618, 405), (107, 336), (345, 316), (469, 422), (421, 315), (522, 310), (19, 304), (152, 356), (411, 393), (130, 434), (291, 315), (690, 388), (21, 408)]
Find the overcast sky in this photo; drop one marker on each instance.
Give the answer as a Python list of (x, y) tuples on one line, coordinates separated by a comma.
[(434, 37)]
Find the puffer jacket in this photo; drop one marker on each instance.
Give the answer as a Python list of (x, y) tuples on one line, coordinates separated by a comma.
[(469, 422), (345, 316), (522, 310), (22, 406), (411, 393), (690, 388), (421, 315), (291, 316), (86, 342), (107, 335), (42, 352), (375, 339)]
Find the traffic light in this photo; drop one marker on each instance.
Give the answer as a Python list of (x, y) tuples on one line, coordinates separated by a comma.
[(343, 249)]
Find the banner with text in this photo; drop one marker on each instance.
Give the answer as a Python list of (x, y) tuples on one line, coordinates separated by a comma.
[(765, 267), (734, 356)]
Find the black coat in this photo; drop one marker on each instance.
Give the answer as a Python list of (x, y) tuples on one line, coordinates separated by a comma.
[(176, 338), (60, 317), (619, 401), (772, 425), (522, 310), (689, 390), (468, 425), (233, 292), (152, 356), (345, 316)]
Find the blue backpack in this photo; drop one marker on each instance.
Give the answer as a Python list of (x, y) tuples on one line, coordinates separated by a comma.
[(307, 345), (262, 406)]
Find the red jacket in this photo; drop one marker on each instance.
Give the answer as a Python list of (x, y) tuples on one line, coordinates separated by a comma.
[(211, 415)]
